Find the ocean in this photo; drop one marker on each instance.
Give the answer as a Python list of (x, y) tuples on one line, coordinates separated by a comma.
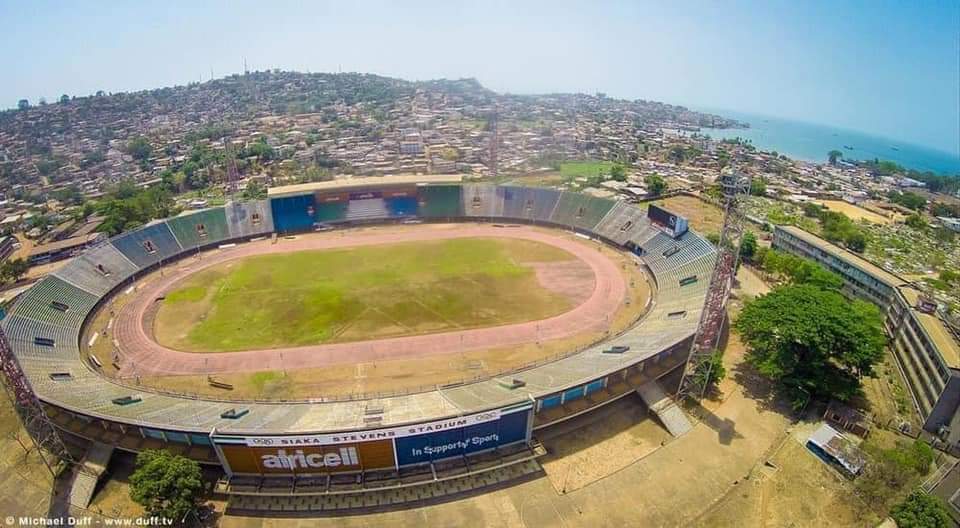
[(811, 142)]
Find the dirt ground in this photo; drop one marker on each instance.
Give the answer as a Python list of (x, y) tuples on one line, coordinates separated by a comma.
[(792, 487), (855, 213), (703, 217), (590, 447)]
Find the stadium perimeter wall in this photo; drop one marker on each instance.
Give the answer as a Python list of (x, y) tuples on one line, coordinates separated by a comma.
[(486, 415)]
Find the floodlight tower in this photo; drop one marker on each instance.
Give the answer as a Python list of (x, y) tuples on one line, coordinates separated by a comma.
[(45, 436), (232, 173), (734, 186), (494, 139)]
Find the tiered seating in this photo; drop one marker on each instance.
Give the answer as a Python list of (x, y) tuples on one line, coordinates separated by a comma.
[(367, 209), (440, 201), (248, 219), (482, 200), (292, 214), (621, 222), (579, 210), (201, 228), (529, 203), (98, 270), (56, 302), (148, 245), (43, 341)]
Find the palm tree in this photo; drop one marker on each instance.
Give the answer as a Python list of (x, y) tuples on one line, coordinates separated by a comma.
[(833, 156)]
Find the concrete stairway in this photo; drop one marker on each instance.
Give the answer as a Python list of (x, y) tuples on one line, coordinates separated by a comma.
[(669, 413), (88, 473)]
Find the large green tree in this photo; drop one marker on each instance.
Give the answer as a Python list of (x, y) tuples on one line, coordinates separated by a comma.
[(920, 510), (833, 156), (813, 342), (655, 184), (165, 484)]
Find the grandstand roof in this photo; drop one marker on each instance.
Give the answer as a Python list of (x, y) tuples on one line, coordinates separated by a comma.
[(371, 181)]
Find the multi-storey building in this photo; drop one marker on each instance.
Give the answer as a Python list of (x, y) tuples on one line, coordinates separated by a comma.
[(925, 346)]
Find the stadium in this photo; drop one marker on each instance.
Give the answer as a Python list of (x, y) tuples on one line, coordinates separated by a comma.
[(332, 348)]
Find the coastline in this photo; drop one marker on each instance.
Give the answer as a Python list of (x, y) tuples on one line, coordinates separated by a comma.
[(811, 142)]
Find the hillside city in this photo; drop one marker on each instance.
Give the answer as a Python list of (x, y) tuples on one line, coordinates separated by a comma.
[(885, 355), (58, 159)]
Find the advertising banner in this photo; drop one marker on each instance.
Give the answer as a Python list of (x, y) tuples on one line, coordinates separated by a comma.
[(309, 459), (509, 428)]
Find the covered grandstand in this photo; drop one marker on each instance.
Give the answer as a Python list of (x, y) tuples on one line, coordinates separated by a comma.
[(45, 326)]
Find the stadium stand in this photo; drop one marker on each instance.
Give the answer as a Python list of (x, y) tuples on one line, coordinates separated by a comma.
[(201, 228), (579, 210), (294, 213), (401, 206), (529, 203), (367, 209), (621, 223), (56, 302), (149, 245), (248, 219), (98, 270), (440, 201), (482, 200), (44, 326), (328, 212)]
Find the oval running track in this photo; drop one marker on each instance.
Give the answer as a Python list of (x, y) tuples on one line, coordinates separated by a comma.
[(140, 355)]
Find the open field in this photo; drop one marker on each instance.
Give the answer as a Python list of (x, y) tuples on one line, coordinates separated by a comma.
[(617, 295), (384, 374), (363, 293), (704, 217), (584, 169), (855, 213)]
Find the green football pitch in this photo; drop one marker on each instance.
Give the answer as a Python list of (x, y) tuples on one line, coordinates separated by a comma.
[(341, 295)]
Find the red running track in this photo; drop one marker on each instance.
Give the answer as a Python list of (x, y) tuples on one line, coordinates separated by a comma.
[(140, 355)]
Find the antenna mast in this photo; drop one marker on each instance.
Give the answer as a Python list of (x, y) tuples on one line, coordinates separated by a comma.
[(699, 367), (494, 140)]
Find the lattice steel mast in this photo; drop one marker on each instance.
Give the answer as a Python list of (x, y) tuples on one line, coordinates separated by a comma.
[(734, 187), (494, 140), (45, 437)]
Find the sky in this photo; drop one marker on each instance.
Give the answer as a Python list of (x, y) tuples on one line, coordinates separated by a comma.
[(882, 67)]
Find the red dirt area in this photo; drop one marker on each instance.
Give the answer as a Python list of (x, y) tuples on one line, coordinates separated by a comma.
[(140, 355)]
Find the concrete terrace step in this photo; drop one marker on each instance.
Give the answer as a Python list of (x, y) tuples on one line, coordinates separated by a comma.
[(667, 410)]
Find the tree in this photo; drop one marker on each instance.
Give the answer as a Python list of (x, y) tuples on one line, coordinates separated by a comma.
[(748, 246), (64, 99), (916, 221), (618, 173), (655, 184), (254, 191), (758, 187), (677, 154), (165, 484), (920, 510), (710, 373), (833, 156), (23, 104), (139, 148), (12, 270), (908, 199), (857, 242), (811, 341)]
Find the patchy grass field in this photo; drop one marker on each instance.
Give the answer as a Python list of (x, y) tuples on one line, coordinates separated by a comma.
[(584, 169), (315, 297)]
